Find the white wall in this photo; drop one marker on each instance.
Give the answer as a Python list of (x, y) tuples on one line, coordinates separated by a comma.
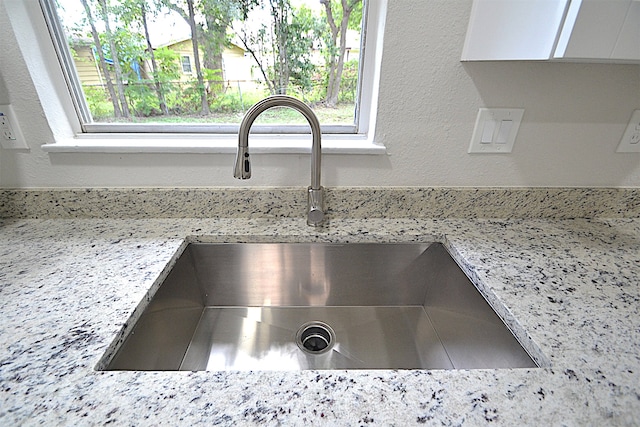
[(575, 115)]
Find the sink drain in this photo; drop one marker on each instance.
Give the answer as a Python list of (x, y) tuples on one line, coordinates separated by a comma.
[(315, 337)]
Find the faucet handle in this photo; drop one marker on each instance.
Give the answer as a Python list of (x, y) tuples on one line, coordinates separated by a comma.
[(315, 208)]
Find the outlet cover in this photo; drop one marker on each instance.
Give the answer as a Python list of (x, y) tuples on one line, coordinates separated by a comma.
[(10, 134), (496, 130), (630, 142)]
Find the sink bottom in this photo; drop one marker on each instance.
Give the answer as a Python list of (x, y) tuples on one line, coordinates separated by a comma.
[(395, 337)]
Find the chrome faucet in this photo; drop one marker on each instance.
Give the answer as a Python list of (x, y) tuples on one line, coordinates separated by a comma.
[(315, 199)]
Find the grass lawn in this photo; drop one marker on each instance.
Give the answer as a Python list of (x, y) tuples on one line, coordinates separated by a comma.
[(342, 114)]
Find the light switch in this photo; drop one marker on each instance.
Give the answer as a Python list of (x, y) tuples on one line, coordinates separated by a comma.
[(495, 130), (504, 131), (487, 132)]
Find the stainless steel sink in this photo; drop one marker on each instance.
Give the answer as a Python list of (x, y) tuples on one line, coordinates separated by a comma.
[(293, 306)]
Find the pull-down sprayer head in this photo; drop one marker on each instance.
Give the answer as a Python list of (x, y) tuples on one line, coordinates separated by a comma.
[(243, 164)]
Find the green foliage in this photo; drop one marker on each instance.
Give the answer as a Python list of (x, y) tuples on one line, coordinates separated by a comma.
[(234, 101), (98, 102), (168, 65), (214, 81), (131, 50), (212, 75), (168, 76), (185, 98), (228, 103), (349, 83), (282, 38), (302, 33), (142, 99), (355, 19)]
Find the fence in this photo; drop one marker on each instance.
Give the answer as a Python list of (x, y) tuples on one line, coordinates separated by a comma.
[(184, 98)]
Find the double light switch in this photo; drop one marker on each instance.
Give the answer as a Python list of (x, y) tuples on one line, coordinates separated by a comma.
[(496, 130)]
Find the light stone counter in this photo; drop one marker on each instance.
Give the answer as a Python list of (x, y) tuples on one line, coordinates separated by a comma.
[(570, 289)]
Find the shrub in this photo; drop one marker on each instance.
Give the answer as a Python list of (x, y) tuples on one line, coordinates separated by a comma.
[(98, 101), (142, 99)]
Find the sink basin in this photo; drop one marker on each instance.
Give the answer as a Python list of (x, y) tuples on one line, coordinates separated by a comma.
[(294, 306)]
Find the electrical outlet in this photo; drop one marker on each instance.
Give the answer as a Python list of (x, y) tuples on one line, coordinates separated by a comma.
[(496, 130), (10, 134), (630, 142)]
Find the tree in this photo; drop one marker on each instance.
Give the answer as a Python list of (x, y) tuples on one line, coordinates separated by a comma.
[(281, 39), (281, 47), (104, 12), (254, 41), (189, 15), (196, 58), (154, 64), (304, 33), (280, 13), (212, 35), (338, 19), (117, 112), (136, 11)]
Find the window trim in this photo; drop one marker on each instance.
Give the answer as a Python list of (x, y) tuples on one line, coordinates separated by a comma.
[(121, 138), (66, 62), (187, 62)]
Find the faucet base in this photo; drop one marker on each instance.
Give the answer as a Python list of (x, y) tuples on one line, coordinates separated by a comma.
[(315, 206)]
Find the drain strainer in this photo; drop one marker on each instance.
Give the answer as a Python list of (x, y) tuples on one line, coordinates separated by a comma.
[(315, 337)]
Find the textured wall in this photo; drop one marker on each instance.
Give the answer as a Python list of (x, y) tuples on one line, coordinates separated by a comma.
[(575, 115)]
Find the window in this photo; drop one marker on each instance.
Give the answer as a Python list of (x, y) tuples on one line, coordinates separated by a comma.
[(148, 75), (186, 64)]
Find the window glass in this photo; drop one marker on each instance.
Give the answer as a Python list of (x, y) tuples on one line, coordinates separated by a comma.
[(186, 65), (137, 61)]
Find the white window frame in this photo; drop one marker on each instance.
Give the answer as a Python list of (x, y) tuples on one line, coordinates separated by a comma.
[(187, 63), (204, 138)]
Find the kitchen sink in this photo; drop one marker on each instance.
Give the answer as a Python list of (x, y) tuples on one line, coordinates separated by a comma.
[(295, 306)]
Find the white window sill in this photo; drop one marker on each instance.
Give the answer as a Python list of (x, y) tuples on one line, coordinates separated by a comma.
[(212, 144)]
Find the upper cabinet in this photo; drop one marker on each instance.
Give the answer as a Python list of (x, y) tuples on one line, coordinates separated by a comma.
[(570, 30)]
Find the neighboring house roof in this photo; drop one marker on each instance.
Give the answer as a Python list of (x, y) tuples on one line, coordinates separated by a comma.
[(184, 39), (80, 41)]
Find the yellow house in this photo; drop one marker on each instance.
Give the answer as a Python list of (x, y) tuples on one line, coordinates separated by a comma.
[(87, 65), (237, 67)]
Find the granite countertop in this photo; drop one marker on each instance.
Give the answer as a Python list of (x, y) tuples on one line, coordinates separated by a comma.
[(570, 289)]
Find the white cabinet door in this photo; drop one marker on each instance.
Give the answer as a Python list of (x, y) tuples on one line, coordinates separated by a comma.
[(628, 44), (572, 30), (601, 30), (513, 29)]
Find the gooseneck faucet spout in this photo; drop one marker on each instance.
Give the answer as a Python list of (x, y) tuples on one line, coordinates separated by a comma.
[(242, 170)]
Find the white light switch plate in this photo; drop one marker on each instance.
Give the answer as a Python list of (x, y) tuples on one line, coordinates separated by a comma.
[(10, 134), (496, 130), (630, 142)]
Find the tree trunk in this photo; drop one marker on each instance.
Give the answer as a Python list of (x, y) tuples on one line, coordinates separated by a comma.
[(212, 42), (346, 12), (103, 63), (335, 64), (154, 65), (114, 58), (281, 61), (196, 56)]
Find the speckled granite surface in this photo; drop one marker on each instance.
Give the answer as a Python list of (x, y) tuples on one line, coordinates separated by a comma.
[(570, 289), (342, 202)]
